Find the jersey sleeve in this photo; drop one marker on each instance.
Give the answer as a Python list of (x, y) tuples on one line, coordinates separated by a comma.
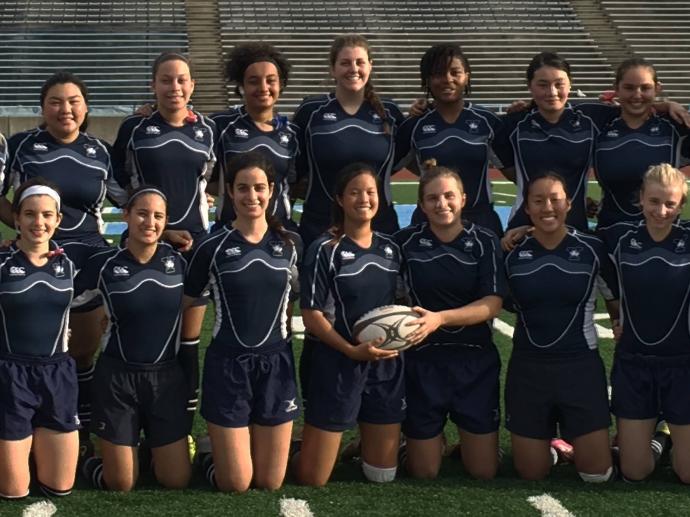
[(88, 276), (122, 160), (403, 142), (492, 277), (599, 112), (114, 192), (502, 146), (3, 158), (11, 173), (314, 282), (395, 112), (199, 268), (607, 279), (295, 266)]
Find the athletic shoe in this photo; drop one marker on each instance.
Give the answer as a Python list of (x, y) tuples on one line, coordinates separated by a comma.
[(564, 451), (192, 446), (661, 442)]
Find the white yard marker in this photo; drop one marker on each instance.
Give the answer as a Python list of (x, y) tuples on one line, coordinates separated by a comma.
[(549, 506), (603, 332), (40, 509), (297, 325), (290, 507)]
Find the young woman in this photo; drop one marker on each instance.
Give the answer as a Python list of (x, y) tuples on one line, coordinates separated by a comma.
[(38, 380), (259, 73), (454, 274), (351, 125), (555, 375), (633, 142), (249, 388), (651, 365), (345, 275), (80, 165), (173, 150), (138, 382), (456, 133)]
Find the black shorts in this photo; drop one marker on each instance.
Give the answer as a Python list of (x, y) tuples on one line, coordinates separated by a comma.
[(130, 398), (37, 392), (451, 380), (343, 392), (644, 387), (544, 391), (250, 386)]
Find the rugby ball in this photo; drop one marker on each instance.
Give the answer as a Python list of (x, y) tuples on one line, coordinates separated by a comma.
[(388, 322)]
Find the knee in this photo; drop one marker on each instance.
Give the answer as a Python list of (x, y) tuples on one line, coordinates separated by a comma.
[(175, 481), (313, 479), (683, 474), (532, 472), (13, 489), (119, 483), (422, 470), (232, 483), (270, 483), (484, 472)]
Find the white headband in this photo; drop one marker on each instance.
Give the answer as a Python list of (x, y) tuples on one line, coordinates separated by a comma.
[(40, 190)]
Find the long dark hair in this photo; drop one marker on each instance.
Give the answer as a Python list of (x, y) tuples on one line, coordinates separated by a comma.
[(345, 176)]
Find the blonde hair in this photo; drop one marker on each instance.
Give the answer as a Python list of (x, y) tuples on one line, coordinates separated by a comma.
[(666, 175)]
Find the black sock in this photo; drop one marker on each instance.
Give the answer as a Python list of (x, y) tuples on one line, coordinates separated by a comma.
[(659, 444), (93, 472), (188, 357), (208, 469), (52, 492), (85, 381)]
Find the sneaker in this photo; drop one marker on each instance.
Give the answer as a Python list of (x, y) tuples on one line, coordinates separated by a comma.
[(192, 446), (564, 452)]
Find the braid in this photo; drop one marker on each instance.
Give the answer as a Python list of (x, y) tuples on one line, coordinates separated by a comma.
[(373, 98)]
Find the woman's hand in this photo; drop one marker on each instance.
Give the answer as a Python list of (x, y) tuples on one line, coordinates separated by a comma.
[(513, 236), (210, 200), (517, 106), (427, 323), (617, 330), (678, 113), (368, 351), (419, 107), (180, 239)]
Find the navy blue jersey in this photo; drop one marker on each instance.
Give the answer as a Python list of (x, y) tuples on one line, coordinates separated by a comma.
[(534, 146), (251, 285), (330, 139), (344, 281), (177, 160), (553, 292), (222, 118), (81, 170), (654, 282), (279, 145), (463, 146), (622, 156), (3, 157), (34, 304), (143, 302), (446, 275)]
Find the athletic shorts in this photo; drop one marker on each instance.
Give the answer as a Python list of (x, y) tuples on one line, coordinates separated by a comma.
[(644, 387), (305, 364), (455, 381), (570, 391), (485, 217), (129, 398), (250, 386), (343, 392), (37, 392)]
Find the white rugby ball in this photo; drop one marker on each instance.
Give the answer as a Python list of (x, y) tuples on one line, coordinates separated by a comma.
[(388, 322)]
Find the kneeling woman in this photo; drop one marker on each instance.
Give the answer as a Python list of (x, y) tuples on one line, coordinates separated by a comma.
[(138, 383), (555, 375), (249, 386), (38, 380), (346, 274), (455, 272)]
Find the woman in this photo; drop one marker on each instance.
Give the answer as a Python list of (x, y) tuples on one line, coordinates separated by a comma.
[(456, 133), (38, 380), (80, 165), (346, 274), (633, 142), (455, 278), (259, 73), (555, 375), (249, 387), (173, 150), (651, 365), (335, 130), (138, 382)]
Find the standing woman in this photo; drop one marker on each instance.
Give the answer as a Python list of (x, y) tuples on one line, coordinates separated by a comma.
[(260, 73), (651, 368), (138, 382), (555, 375), (455, 133), (351, 125), (345, 275), (173, 150), (454, 274), (249, 387), (80, 165), (38, 379)]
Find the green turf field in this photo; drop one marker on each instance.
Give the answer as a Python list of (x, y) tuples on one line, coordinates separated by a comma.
[(453, 493)]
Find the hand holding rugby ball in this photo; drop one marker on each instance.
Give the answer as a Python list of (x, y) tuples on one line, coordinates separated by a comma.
[(388, 322)]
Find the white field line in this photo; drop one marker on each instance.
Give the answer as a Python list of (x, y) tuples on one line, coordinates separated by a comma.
[(495, 182), (290, 507), (505, 194), (549, 506), (503, 327), (40, 509)]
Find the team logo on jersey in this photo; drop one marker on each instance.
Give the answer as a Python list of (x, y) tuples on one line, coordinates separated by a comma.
[(276, 248), (347, 255), (153, 130), (426, 243), (241, 133), (90, 150), (654, 130), (428, 129), (40, 147), (473, 126), (635, 244), (290, 405), (233, 252), (169, 264), (17, 271), (613, 133), (680, 245), (121, 271), (468, 244), (574, 253), (535, 124), (199, 133), (283, 138), (375, 116), (330, 116), (388, 251), (525, 255), (77, 421), (101, 425), (58, 270), (575, 123)]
